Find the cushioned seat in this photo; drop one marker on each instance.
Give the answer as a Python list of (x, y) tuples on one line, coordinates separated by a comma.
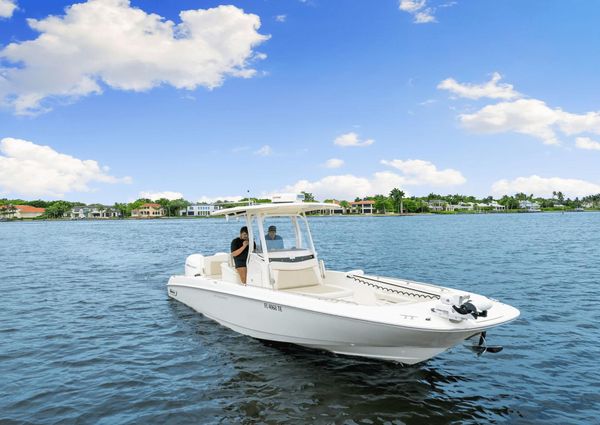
[(322, 291)]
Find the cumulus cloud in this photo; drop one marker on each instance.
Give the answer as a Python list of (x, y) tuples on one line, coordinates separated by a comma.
[(349, 186), (526, 116), (34, 170), (587, 143), (531, 117), (352, 139), (7, 8), (159, 195), (541, 186), (264, 151), (419, 172), (491, 89), (111, 43), (334, 163), (419, 10)]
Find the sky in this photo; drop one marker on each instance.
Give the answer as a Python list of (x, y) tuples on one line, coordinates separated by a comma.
[(111, 100)]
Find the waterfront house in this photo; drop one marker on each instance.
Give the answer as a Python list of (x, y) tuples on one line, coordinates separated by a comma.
[(21, 211), (362, 207), (149, 210), (461, 206), (492, 206), (338, 211), (78, 213), (199, 210), (437, 205), (93, 212), (529, 206)]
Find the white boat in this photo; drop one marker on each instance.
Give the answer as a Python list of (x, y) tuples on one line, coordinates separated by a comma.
[(291, 297)]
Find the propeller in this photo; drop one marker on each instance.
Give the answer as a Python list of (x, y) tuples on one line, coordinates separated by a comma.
[(482, 346)]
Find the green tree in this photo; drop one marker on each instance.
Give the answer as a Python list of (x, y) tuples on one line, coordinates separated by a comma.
[(57, 209), (177, 205), (383, 204), (122, 209), (397, 195), (308, 197)]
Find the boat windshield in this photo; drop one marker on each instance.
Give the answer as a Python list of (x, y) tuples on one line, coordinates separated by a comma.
[(288, 233)]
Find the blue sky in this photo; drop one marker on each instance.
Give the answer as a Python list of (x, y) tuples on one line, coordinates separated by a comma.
[(109, 99)]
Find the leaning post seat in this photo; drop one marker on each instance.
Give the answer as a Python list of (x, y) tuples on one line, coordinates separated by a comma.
[(296, 275)]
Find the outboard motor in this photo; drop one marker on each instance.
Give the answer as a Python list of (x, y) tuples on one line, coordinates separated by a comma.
[(194, 265), (458, 307)]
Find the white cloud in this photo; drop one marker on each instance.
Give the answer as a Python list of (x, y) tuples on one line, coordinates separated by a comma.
[(109, 42), (587, 143), (264, 151), (7, 8), (349, 186), (345, 186), (280, 18), (526, 116), (418, 8), (531, 117), (419, 172), (352, 139), (411, 6), (491, 89), (428, 102), (540, 186), (334, 163), (159, 195), (35, 170)]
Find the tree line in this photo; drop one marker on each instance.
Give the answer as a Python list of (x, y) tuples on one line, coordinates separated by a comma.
[(396, 202)]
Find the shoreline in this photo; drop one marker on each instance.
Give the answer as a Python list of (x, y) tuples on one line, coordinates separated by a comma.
[(443, 213)]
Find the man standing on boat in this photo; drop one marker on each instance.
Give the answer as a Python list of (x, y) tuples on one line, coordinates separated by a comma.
[(239, 251), (274, 241)]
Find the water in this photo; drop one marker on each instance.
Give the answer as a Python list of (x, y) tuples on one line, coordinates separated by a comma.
[(88, 334)]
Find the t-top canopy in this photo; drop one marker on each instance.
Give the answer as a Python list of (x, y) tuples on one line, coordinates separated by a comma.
[(287, 208)]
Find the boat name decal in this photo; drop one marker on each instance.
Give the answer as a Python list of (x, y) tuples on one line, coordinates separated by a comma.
[(274, 307)]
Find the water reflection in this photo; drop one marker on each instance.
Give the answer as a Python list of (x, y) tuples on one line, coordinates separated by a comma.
[(278, 382)]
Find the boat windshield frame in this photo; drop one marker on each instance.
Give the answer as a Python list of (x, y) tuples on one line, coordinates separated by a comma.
[(265, 253)]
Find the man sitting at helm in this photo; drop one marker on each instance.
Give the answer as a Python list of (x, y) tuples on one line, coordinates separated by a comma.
[(274, 241)]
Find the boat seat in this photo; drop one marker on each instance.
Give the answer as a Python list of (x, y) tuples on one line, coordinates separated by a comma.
[(212, 264), (322, 291), (229, 274)]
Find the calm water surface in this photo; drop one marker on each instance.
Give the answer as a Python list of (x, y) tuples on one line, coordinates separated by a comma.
[(88, 334)]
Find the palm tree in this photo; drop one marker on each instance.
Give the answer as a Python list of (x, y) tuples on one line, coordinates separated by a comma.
[(397, 195)]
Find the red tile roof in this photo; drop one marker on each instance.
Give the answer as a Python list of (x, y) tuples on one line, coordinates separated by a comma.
[(152, 205), (29, 209)]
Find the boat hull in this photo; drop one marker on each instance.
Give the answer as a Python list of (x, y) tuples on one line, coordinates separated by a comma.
[(260, 315)]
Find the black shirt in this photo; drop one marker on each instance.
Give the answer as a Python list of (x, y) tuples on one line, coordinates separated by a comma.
[(240, 260)]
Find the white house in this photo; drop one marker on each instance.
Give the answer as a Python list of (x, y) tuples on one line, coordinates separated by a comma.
[(199, 210), (464, 206), (437, 205), (93, 211), (529, 206), (494, 206)]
